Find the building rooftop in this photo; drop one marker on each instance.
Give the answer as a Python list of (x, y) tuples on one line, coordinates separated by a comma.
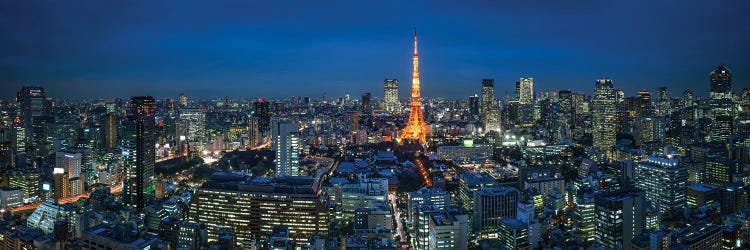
[(238, 182), (702, 187), (514, 223)]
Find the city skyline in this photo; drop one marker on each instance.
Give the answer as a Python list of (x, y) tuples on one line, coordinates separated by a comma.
[(247, 53), (252, 126)]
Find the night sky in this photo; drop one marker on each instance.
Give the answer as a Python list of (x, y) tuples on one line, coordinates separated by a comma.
[(207, 49)]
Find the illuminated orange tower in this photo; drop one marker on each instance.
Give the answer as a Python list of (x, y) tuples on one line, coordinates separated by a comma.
[(416, 129)]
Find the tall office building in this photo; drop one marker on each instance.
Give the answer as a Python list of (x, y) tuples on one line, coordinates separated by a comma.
[(663, 103), (567, 110), (664, 182), (470, 183), (604, 112), (366, 193), (285, 141), (430, 197), (109, 125), (474, 106), (262, 111), (31, 182), (620, 216), (688, 98), (643, 104), (138, 149), (513, 234), (61, 183), (733, 198), (31, 102), (488, 96), (490, 113), (525, 87), (448, 230), (390, 96), (585, 215), (720, 171), (183, 100), (721, 102), (720, 129), (366, 103), (143, 106), (192, 124), (70, 162), (721, 82), (491, 205), (252, 206)]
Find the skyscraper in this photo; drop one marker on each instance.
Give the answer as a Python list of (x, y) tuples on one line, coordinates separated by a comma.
[(604, 112), (488, 95), (526, 90), (31, 101), (663, 103), (139, 152), (109, 124), (721, 82), (474, 107), (566, 106), (721, 92), (366, 103), (262, 111), (390, 96), (285, 141), (416, 128), (490, 113)]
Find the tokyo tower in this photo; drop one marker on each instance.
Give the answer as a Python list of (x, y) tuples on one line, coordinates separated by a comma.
[(416, 129)]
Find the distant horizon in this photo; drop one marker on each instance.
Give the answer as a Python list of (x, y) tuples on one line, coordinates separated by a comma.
[(403, 94), (298, 48)]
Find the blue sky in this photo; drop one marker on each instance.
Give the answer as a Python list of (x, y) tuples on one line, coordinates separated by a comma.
[(209, 49)]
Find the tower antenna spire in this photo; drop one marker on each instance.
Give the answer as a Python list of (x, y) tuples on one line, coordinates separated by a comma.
[(416, 129), (415, 40)]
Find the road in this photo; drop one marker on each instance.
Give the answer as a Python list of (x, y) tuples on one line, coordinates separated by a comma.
[(397, 215)]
